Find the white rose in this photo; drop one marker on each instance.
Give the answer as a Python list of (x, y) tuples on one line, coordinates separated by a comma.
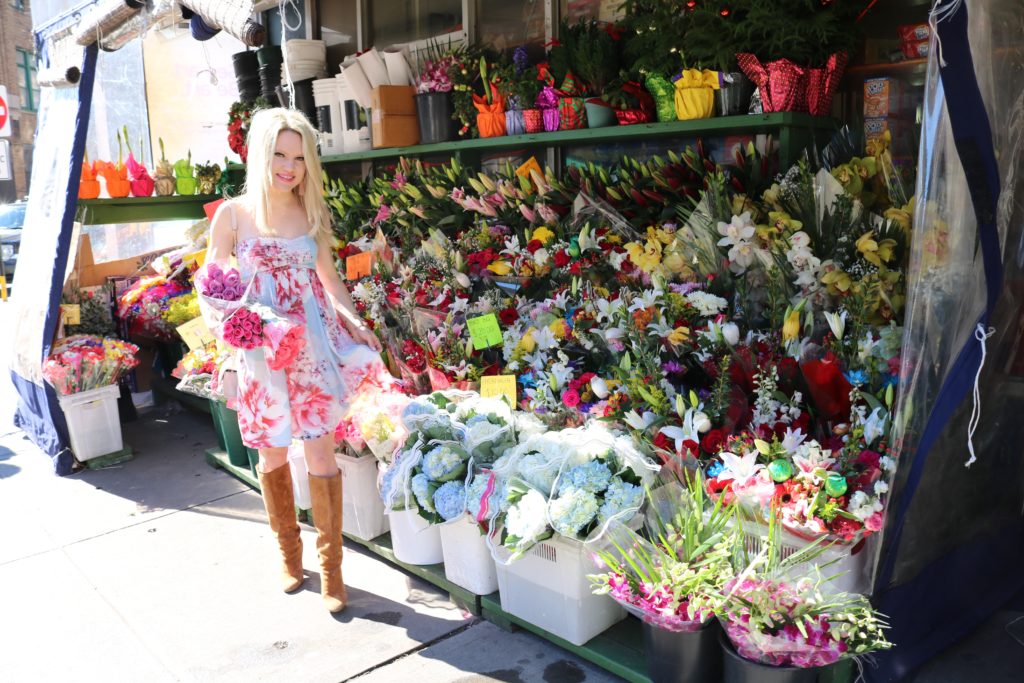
[(731, 333), (541, 256)]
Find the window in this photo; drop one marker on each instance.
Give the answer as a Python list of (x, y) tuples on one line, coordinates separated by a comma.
[(29, 87)]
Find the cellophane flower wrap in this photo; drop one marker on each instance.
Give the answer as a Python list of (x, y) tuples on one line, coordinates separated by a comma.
[(83, 362), (775, 611), (144, 304), (672, 581)]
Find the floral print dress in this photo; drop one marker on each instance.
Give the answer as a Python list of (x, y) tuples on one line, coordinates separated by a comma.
[(308, 398)]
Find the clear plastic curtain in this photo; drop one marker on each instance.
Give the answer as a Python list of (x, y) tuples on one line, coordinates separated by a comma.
[(954, 538)]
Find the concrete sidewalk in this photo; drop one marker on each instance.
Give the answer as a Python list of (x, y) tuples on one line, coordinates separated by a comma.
[(164, 569)]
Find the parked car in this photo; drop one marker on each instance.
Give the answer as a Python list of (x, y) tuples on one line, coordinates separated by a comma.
[(12, 218)]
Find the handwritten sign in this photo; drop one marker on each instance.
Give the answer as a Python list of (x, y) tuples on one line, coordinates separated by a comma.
[(499, 386), (359, 265), (71, 314), (196, 334), (484, 331)]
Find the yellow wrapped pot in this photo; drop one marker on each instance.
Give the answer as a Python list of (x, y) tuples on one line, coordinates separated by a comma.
[(695, 94)]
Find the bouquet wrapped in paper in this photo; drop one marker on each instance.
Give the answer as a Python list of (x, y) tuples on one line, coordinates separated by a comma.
[(83, 362)]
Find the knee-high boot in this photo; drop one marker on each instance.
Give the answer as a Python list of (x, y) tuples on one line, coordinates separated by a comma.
[(280, 503), (325, 494)]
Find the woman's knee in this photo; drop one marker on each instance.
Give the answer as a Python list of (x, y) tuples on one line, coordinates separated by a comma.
[(272, 458)]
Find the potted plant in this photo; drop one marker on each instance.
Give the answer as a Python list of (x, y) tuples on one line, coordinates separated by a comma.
[(490, 106), (433, 97), (595, 58), (781, 626), (652, 31), (164, 174), (711, 41), (672, 582)]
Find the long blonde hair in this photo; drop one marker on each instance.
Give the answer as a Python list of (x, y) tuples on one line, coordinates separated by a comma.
[(266, 125)]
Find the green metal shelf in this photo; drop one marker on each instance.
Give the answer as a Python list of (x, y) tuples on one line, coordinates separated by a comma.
[(134, 209), (794, 130)]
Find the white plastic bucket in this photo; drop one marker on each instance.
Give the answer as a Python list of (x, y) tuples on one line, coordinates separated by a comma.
[(467, 560), (362, 508), (413, 539), (93, 422)]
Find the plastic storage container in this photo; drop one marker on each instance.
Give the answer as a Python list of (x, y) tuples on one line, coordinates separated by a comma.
[(225, 421), (413, 539), (93, 423), (548, 587), (362, 509), (467, 560)]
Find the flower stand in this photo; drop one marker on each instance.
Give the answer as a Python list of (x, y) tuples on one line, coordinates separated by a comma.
[(362, 509), (467, 560), (93, 423), (413, 539), (683, 655), (548, 587)]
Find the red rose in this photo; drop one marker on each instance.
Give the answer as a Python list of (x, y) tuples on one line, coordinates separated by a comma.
[(576, 268), (868, 458), (508, 316), (846, 528), (533, 245), (712, 441), (561, 258), (663, 442)]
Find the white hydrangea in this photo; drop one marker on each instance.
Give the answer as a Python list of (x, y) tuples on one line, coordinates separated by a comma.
[(528, 519), (707, 304)]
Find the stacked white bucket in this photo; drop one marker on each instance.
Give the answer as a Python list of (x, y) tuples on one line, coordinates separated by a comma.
[(327, 97)]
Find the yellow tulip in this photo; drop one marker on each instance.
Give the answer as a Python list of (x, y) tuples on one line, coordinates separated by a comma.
[(528, 343), (500, 268), (791, 326)]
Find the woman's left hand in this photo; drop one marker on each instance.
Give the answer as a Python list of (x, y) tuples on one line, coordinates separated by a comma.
[(364, 335)]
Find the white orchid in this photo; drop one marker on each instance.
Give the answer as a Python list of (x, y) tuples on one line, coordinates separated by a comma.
[(739, 229), (739, 469), (741, 257)]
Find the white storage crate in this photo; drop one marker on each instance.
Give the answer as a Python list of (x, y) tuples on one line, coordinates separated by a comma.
[(362, 508), (845, 571), (548, 587), (467, 560), (93, 422), (413, 539)]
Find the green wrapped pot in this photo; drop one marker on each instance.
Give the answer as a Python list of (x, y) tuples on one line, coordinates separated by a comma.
[(664, 93)]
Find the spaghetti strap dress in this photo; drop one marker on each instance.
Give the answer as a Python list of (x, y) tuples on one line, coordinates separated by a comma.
[(308, 398)]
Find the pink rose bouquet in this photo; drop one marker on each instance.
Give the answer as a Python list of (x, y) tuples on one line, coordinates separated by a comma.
[(244, 329)]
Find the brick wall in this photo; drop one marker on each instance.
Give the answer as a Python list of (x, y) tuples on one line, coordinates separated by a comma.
[(16, 32)]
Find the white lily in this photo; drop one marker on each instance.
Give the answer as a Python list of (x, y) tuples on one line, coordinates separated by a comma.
[(874, 426), (792, 439), (678, 434), (836, 323), (545, 339), (638, 422), (740, 469), (645, 299)]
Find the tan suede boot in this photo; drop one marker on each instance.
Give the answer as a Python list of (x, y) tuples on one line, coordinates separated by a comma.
[(325, 493), (280, 503)]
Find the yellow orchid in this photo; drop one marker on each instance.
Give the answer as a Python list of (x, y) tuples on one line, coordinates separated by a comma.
[(784, 222), (903, 215), (679, 336), (677, 265), (741, 203), (772, 196), (543, 235), (500, 268), (875, 251), (646, 257), (837, 281), (660, 234)]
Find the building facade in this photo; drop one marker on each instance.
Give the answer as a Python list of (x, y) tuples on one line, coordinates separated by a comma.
[(18, 73)]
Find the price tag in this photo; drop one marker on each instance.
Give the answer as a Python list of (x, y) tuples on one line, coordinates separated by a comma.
[(71, 314), (498, 386), (484, 331), (197, 257), (530, 165), (196, 334), (359, 265)]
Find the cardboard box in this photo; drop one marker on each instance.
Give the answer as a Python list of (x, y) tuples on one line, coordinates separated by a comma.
[(394, 99), (883, 97), (394, 130)]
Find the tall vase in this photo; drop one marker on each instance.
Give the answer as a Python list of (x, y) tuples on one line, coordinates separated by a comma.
[(683, 656), (738, 669), (434, 114)]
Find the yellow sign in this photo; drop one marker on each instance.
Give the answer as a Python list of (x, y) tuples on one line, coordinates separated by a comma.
[(359, 265), (499, 385), (3, 288), (71, 314), (527, 168), (196, 334)]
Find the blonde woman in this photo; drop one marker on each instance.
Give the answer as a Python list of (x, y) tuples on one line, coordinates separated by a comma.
[(279, 231)]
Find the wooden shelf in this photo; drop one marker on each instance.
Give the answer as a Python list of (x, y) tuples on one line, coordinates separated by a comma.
[(136, 209), (782, 123)]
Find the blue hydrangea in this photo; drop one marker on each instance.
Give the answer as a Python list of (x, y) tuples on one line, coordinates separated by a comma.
[(389, 484), (592, 477), (573, 512), (620, 496), (443, 463), (420, 486), (450, 499)]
